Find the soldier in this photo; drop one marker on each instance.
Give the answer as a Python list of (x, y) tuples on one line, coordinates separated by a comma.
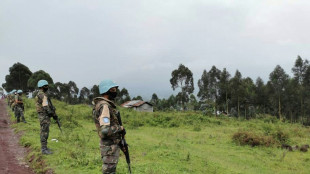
[(44, 112), (19, 106), (8, 96), (108, 127), (12, 99)]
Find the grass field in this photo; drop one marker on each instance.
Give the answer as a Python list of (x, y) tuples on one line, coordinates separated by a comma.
[(171, 142)]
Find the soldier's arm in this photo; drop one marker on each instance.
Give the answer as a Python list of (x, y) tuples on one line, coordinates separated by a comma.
[(39, 100), (16, 100), (107, 129)]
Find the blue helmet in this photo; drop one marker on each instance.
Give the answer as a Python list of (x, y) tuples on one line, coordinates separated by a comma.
[(19, 91), (42, 83), (105, 85)]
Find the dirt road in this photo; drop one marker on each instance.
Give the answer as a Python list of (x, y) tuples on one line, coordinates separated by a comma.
[(11, 153)]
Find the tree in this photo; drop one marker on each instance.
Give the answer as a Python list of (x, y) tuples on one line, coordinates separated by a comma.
[(66, 91), (299, 71), (84, 95), (122, 96), (249, 94), (183, 78), (73, 91), (237, 91), (36, 76), (54, 91), (95, 91), (137, 98), (224, 87), (306, 84), (203, 85), (18, 77), (261, 98), (154, 99), (214, 79), (209, 86), (193, 103), (278, 80)]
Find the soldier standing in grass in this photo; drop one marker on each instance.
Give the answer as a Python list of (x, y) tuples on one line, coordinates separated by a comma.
[(44, 112), (19, 106), (108, 127), (8, 97), (12, 99)]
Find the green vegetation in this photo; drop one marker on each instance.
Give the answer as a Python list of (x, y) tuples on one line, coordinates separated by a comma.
[(167, 142)]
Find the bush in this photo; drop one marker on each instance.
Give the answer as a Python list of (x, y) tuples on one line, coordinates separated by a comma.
[(252, 139)]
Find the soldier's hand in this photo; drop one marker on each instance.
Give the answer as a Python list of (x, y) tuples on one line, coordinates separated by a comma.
[(123, 130), (55, 117)]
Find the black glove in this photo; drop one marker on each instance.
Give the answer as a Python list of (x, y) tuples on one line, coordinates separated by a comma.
[(123, 132), (55, 117)]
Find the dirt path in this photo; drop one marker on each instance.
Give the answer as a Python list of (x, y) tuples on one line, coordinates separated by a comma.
[(11, 153)]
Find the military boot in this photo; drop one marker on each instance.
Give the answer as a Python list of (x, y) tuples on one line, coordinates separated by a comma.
[(46, 151)]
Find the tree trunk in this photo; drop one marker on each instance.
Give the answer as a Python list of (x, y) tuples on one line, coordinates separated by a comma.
[(215, 107), (280, 116), (238, 108), (302, 110), (226, 104)]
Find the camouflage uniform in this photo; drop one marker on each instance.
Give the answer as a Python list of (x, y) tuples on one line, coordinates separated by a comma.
[(8, 99), (108, 128), (12, 101), (19, 109), (43, 112)]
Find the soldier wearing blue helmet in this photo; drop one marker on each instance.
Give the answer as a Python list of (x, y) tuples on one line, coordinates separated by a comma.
[(108, 127), (44, 112), (12, 99), (19, 106)]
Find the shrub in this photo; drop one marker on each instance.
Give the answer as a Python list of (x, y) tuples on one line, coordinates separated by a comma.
[(252, 139)]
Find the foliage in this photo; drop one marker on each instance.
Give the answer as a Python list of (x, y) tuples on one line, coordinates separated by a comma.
[(183, 78), (252, 139), (137, 98), (67, 92), (35, 77), (122, 96), (165, 142), (18, 77)]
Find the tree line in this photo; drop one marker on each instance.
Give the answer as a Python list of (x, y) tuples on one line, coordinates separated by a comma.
[(282, 96), (287, 98)]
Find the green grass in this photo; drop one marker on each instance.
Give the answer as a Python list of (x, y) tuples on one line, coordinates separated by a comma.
[(166, 142)]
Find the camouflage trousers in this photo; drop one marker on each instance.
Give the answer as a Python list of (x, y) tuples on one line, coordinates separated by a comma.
[(109, 156), (44, 129), (19, 112)]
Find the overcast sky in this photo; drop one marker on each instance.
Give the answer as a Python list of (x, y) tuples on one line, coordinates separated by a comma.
[(138, 43)]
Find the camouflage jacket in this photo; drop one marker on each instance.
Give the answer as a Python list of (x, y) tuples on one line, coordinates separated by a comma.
[(42, 102), (12, 98), (18, 98), (104, 113)]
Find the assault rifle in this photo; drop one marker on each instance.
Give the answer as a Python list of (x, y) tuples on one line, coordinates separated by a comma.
[(55, 117), (123, 144)]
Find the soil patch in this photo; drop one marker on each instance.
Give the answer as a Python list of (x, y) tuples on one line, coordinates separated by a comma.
[(12, 154)]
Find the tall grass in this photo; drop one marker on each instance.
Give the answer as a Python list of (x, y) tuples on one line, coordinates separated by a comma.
[(165, 142)]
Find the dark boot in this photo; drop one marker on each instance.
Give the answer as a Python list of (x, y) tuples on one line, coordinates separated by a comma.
[(46, 151)]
